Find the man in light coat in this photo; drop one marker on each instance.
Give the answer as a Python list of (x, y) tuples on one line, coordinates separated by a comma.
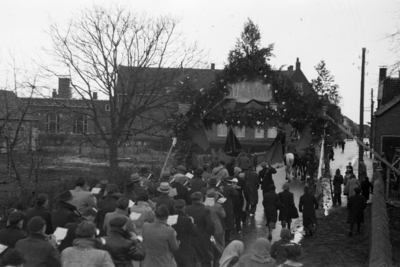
[(81, 198)]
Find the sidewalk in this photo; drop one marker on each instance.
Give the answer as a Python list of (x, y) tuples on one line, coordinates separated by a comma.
[(331, 245)]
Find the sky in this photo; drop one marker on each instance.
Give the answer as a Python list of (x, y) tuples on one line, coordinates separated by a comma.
[(312, 30)]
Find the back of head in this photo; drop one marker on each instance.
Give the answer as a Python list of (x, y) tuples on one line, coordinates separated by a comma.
[(15, 217), (221, 162), (142, 197), (123, 203), (80, 182), (88, 211), (261, 248), (180, 204), (338, 172), (85, 229), (306, 189), (198, 172), (285, 233), (292, 251), (41, 199), (112, 189), (36, 224), (12, 258), (196, 196), (129, 186), (162, 212), (286, 186)]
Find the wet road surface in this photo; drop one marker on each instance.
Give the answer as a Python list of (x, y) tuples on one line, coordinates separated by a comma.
[(255, 226)]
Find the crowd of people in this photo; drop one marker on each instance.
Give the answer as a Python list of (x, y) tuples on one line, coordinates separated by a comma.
[(173, 220)]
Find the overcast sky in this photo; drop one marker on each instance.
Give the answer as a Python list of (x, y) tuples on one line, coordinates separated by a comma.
[(333, 30)]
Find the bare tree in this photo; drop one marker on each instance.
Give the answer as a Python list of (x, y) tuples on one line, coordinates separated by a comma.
[(132, 61)]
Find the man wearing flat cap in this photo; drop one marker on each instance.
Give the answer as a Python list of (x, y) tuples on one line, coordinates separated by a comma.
[(66, 212), (122, 246), (13, 232), (39, 249)]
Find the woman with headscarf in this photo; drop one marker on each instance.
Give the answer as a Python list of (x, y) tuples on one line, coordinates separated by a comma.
[(351, 184), (259, 255), (231, 254)]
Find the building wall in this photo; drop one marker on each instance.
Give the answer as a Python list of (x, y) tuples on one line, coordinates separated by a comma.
[(387, 124)]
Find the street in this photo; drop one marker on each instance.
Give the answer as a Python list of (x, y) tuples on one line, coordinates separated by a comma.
[(255, 226)]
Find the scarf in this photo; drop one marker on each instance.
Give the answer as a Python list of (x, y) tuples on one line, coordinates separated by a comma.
[(234, 249), (260, 251)]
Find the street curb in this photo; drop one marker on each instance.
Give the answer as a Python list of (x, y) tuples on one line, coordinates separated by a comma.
[(380, 248)]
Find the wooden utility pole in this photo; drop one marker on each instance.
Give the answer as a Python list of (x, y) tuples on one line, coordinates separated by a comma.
[(371, 132), (361, 134)]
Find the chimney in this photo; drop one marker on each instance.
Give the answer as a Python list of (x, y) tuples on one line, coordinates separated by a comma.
[(64, 89), (382, 73), (213, 66), (290, 67), (54, 94), (297, 64), (94, 95)]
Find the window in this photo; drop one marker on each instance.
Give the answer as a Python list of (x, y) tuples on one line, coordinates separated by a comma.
[(222, 130), (240, 132), (299, 87), (272, 132), (258, 132), (80, 124), (53, 123), (107, 107)]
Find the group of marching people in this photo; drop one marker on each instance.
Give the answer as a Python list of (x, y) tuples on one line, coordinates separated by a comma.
[(136, 227)]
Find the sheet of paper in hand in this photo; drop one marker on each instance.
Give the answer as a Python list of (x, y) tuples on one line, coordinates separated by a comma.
[(189, 175), (172, 192), (134, 216), (172, 219), (60, 233), (210, 201), (131, 203), (2, 248), (95, 190), (221, 200)]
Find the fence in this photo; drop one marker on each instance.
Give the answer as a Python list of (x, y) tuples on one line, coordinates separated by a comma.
[(380, 248)]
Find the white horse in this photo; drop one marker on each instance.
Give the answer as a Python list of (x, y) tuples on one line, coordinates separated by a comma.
[(290, 166)]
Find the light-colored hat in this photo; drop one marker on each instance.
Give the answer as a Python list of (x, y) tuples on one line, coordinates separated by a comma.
[(234, 180), (135, 177), (181, 178), (242, 175), (237, 169), (211, 192), (164, 188)]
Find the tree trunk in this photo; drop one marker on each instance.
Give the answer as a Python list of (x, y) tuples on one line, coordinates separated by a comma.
[(113, 157)]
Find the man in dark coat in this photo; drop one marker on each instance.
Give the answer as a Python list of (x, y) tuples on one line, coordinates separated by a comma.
[(164, 198), (307, 205), (287, 202), (197, 182), (88, 214), (366, 188), (202, 245), (107, 204), (181, 190), (265, 176), (40, 209), (119, 243), (239, 183), (229, 192), (252, 185), (230, 166), (271, 205), (37, 249), (337, 187), (129, 192), (278, 247), (65, 213), (356, 206), (185, 230), (13, 232)]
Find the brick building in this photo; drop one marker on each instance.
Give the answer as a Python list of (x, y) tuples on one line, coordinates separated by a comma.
[(386, 123)]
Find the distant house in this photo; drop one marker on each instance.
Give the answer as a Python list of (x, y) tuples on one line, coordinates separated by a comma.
[(350, 126), (17, 124), (257, 95), (385, 123)]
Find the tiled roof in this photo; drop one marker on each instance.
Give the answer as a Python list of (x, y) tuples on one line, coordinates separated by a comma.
[(11, 108), (391, 89), (388, 105)]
